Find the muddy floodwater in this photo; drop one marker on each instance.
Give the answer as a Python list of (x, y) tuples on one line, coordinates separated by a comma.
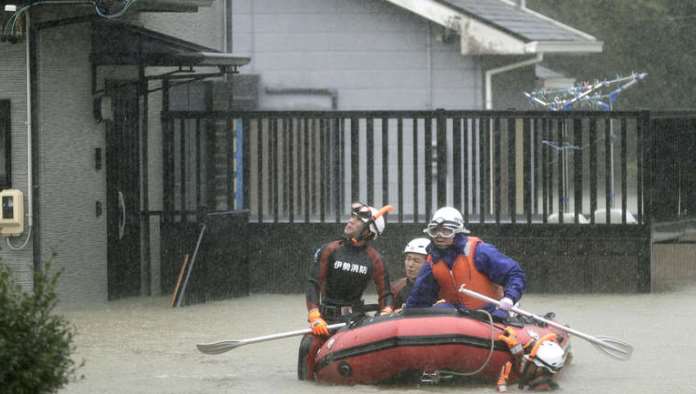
[(141, 345)]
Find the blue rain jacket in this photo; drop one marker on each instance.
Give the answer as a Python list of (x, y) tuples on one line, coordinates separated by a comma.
[(499, 268)]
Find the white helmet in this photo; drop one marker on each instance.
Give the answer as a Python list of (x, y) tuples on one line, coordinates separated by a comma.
[(448, 218), (377, 225), (417, 245), (550, 356), (367, 213)]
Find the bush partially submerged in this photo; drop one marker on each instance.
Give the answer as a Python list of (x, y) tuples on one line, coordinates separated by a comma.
[(35, 344)]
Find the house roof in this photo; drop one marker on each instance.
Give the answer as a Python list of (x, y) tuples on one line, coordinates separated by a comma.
[(521, 22), (117, 43), (502, 27)]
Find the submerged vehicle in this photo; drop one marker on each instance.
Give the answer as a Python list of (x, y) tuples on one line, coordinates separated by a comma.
[(431, 345)]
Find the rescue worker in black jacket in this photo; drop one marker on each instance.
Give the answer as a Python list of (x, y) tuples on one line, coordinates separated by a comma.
[(338, 276), (415, 253)]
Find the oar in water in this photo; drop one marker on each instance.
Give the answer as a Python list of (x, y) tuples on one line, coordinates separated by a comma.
[(613, 347), (226, 346)]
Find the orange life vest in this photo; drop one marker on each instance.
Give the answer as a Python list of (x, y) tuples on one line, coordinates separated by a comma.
[(464, 272)]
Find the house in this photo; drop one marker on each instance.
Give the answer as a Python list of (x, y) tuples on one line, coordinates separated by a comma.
[(81, 91), (397, 54), (80, 95)]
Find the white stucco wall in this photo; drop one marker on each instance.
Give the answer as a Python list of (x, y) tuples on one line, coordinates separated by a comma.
[(70, 185), (375, 55)]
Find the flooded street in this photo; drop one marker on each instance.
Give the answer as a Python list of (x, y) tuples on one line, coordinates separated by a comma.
[(142, 345)]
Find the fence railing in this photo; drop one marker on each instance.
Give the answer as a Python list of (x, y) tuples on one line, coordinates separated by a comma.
[(202, 155), (673, 153), (496, 167)]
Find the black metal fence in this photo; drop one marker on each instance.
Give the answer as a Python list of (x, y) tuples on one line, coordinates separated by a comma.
[(572, 195), (496, 167)]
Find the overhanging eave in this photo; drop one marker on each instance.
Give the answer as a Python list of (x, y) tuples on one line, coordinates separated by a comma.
[(116, 44), (565, 46)]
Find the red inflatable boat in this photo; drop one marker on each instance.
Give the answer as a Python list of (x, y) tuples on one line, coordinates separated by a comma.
[(422, 344)]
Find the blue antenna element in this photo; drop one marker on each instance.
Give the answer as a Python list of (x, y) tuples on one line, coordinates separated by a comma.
[(600, 95)]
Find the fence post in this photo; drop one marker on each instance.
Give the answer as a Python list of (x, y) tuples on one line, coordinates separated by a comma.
[(242, 159), (647, 136), (355, 159), (441, 158)]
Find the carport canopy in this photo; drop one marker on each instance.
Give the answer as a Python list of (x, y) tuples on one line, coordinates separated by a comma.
[(117, 43)]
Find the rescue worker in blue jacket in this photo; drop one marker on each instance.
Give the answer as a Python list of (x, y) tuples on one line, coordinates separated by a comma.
[(455, 259), (340, 273)]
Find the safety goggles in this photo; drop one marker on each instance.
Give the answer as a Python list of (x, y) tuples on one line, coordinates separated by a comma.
[(361, 211), (438, 230)]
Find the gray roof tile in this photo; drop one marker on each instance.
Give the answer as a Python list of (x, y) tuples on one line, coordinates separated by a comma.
[(517, 21)]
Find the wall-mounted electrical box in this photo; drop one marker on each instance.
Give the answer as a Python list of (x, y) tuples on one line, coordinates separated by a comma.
[(11, 212)]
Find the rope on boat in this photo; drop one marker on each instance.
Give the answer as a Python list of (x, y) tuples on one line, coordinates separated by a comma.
[(490, 352)]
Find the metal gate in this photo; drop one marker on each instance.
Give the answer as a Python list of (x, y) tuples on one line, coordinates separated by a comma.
[(203, 186), (519, 178)]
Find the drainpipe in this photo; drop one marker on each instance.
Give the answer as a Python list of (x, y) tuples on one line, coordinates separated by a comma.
[(489, 103), (227, 31), (490, 73), (30, 186), (429, 65), (229, 43)]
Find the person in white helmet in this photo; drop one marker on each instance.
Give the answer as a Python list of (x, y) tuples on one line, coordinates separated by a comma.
[(536, 361), (340, 273), (538, 368), (415, 253), (455, 258)]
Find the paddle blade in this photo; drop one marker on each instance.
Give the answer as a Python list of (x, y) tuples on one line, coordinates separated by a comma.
[(218, 347), (614, 348)]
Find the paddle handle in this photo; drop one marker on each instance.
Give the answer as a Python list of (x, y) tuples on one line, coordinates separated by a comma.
[(226, 346), (569, 330), (285, 334)]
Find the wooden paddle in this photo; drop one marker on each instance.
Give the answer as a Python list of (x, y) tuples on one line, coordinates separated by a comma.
[(175, 294)]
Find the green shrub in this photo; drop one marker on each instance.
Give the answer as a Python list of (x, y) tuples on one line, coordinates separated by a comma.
[(35, 344)]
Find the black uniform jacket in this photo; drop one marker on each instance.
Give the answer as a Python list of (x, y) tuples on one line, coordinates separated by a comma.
[(341, 272)]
